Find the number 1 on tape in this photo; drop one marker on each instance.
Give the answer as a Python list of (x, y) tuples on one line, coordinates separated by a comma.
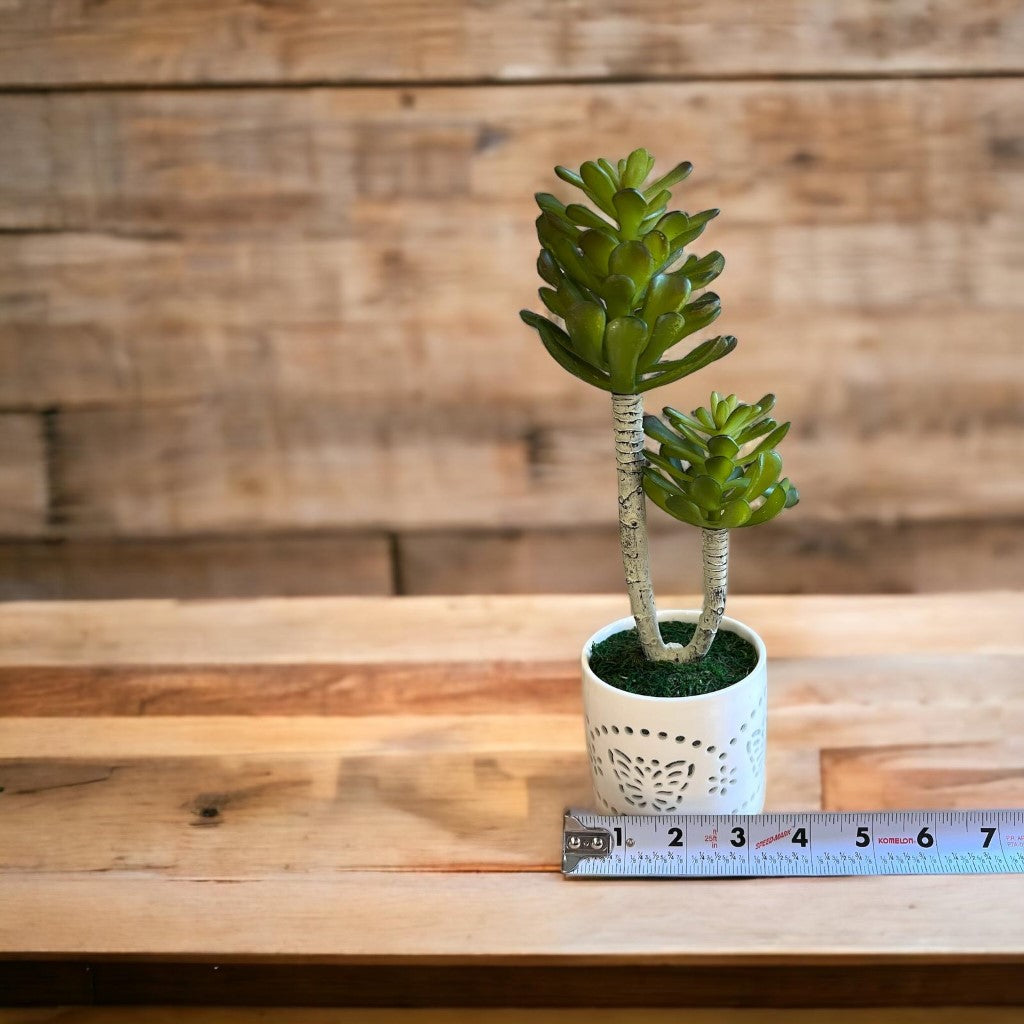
[(792, 844)]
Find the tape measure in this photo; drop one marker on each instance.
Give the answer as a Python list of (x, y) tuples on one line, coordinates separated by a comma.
[(792, 844)]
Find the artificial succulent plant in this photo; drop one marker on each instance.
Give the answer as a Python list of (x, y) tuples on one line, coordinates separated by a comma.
[(620, 277)]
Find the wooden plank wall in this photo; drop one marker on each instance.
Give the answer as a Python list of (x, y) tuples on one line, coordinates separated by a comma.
[(260, 266)]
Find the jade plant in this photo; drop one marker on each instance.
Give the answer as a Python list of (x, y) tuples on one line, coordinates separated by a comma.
[(619, 275)]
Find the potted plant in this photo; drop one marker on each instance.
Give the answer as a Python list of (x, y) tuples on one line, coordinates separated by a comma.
[(674, 701)]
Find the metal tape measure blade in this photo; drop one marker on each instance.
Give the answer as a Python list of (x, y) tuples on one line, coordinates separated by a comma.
[(794, 844)]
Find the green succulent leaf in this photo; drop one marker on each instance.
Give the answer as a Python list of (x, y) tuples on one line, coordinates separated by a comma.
[(686, 425), (762, 474), (597, 247), (706, 491), (679, 173), (550, 204), (668, 329), (611, 171), (657, 246), (577, 213), (774, 502), (618, 292), (548, 268), (673, 224), (734, 514), (719, 468), (735, 487), (719, 409), (669, 468), (634, 260), (585, 322), (792, 494), (630, 208), (703, 271), (638, 166), (550, 229), (700, 313), (658, 431), (554, 301), (572, 260), (686, 511), (737, 417), (703, 355), (571, 177), (666, 294), (755, 430), (599, 186), (723, 445), (624, 340), (558, 344), (693, 230), (656, 204), (768, 443), (657, 488)]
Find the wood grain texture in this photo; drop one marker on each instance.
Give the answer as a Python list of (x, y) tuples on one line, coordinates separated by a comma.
[(793, 556), (590, 1015), (354, 915), (211, 265), (958, 774), (358, 631), (352, 830), (24, 475), (159, 41), (284, 565), (669, 985)]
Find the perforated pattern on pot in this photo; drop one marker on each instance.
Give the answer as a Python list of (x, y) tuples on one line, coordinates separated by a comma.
[(689, 769)]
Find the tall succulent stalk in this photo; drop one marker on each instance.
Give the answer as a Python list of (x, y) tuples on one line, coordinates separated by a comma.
[(628, 412), (620, 278)]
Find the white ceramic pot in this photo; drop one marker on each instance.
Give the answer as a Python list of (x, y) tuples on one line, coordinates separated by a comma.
[(677, 755)]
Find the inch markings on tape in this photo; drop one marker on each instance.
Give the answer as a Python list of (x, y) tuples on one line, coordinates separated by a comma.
[(792, 844)]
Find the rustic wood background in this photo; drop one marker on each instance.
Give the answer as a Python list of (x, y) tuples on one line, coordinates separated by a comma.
[(260, 265)]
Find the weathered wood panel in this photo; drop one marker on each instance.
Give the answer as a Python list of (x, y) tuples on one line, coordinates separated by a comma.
[(358, 631), (53, 42), (206, 567), (238, 465), (481, 1015), (792, 556), (24, 477), (252, 310), (270, 843), (936, 776)]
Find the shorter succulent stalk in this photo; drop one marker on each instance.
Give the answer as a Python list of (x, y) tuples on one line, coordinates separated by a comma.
[(714, 548)]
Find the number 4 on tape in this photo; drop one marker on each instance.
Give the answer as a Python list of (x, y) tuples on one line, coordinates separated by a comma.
[(797, 844)]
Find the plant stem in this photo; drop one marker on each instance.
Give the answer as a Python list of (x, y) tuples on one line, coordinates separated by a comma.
[(714, 549), (628, 413)]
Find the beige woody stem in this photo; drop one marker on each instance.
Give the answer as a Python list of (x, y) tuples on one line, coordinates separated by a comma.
[(628, 414), (714, 548)]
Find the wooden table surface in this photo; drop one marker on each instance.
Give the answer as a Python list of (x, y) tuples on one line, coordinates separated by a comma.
[(358, 801)]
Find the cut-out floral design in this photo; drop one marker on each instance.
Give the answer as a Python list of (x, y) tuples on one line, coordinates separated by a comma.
[(647, 782), (724, 778)]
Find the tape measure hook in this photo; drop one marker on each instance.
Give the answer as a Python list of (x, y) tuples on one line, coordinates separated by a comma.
[(581, 841)]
